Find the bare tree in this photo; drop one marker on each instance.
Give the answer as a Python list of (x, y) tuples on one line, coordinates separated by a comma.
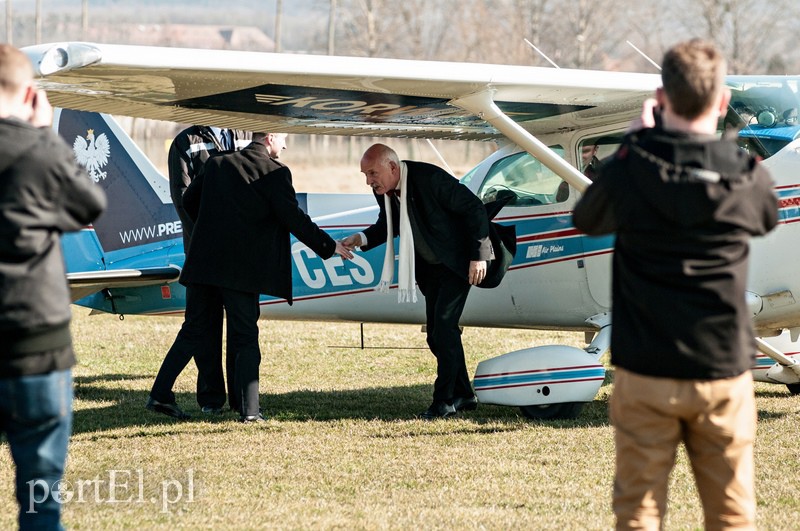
[(278, 20), (753, 30), (9, 23), (331, 27), (480, 31), (647, 29), (38, 23), (531, 19), (591, 30), (84, 19), (366, 26), (426, 27), (747, 32)]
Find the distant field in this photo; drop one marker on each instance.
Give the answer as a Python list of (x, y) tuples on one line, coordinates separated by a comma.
[(342, 450)]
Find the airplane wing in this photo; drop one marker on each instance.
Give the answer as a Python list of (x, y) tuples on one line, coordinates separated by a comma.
[(328, 94), (86, 283)]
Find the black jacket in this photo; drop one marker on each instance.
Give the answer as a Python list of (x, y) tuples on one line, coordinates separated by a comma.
[(244, 208), (43, 193), (451, 219), (684, 208), (188, 152)]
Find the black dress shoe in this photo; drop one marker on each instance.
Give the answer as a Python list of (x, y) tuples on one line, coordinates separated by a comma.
[(466, 403), (438, 410), (211, 410), (248, 419), (171, 410)]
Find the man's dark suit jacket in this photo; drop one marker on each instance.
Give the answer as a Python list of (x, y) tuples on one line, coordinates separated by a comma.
[(449, 216), (244, 206)]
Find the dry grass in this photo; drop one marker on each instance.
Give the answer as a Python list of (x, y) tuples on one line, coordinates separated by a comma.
[(342, 450)]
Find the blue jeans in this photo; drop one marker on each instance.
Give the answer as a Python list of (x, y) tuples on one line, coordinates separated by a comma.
[(36, 416)]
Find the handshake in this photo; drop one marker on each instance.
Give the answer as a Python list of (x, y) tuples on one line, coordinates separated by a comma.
[(345, 247)]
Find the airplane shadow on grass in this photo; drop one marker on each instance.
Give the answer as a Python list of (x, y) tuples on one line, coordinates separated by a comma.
[(102, 407)]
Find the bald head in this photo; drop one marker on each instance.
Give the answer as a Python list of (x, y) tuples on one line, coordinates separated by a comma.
[(381, 166), (275, 142), (15, 69), (380, 152), (17, 89)]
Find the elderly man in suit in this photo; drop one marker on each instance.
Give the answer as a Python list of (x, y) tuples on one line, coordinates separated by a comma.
[(244, 207), (444, 245)]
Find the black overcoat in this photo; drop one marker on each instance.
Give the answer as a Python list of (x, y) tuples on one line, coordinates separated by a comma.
[(244, 207), (450, 217)]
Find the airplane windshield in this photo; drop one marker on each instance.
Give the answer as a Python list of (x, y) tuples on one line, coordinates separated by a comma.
[(764, 109), (526, 180)]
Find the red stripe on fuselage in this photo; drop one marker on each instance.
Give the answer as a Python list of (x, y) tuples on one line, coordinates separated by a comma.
[(537, 383)]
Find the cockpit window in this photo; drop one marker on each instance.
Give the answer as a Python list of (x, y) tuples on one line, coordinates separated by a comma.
[(764, 110), (590, 152), (525, 179)]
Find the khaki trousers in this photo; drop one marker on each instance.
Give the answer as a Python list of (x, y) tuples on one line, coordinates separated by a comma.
[(715, 419)]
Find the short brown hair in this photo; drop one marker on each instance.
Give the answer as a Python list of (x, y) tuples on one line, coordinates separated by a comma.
[(15, 69), (693, 73)]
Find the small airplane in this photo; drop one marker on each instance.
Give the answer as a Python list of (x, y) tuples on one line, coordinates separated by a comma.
[(129, 260)]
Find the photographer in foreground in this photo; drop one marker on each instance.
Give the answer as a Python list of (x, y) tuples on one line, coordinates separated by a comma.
[(683, 204)]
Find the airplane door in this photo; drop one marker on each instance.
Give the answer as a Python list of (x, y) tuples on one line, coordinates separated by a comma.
[(597, 254), (547, 282), (597, 251)]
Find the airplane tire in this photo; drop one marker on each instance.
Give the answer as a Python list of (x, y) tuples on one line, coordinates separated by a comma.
[(566, 410), (794, 388)]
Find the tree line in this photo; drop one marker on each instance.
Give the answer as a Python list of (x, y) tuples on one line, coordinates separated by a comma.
[(757, 37)]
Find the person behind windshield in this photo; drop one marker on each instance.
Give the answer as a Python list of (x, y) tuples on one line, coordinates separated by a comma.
[(739, 116), (589, 166), (790, 116)]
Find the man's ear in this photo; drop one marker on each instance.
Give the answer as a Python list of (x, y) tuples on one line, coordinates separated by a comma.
[(724, 100), (26, 106), (29, 95), (661, 97)]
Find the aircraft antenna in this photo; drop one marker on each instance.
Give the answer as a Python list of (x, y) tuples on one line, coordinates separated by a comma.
[(441, 158), (643, 55), (529, 43)]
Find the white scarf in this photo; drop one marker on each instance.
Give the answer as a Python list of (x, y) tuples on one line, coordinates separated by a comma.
[(406, 279)]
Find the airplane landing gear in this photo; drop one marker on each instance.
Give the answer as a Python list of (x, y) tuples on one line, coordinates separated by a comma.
[(566, 410)]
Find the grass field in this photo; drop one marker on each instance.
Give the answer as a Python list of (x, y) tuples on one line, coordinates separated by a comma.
[(342, 450)]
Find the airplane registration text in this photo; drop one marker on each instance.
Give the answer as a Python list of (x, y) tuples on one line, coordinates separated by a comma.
[(317, 273)]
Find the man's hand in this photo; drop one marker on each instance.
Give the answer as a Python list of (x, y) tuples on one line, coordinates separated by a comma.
[(352, 241), (42, 111), (477, 271), (647, 119), (343, 251)]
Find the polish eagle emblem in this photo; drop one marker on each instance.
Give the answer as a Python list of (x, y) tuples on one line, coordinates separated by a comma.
[(92, 153)]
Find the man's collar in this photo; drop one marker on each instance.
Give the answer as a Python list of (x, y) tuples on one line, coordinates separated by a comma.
[(403, 173)]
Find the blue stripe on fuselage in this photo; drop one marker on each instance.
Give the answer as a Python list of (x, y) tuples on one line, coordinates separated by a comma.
[(539, 377)]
